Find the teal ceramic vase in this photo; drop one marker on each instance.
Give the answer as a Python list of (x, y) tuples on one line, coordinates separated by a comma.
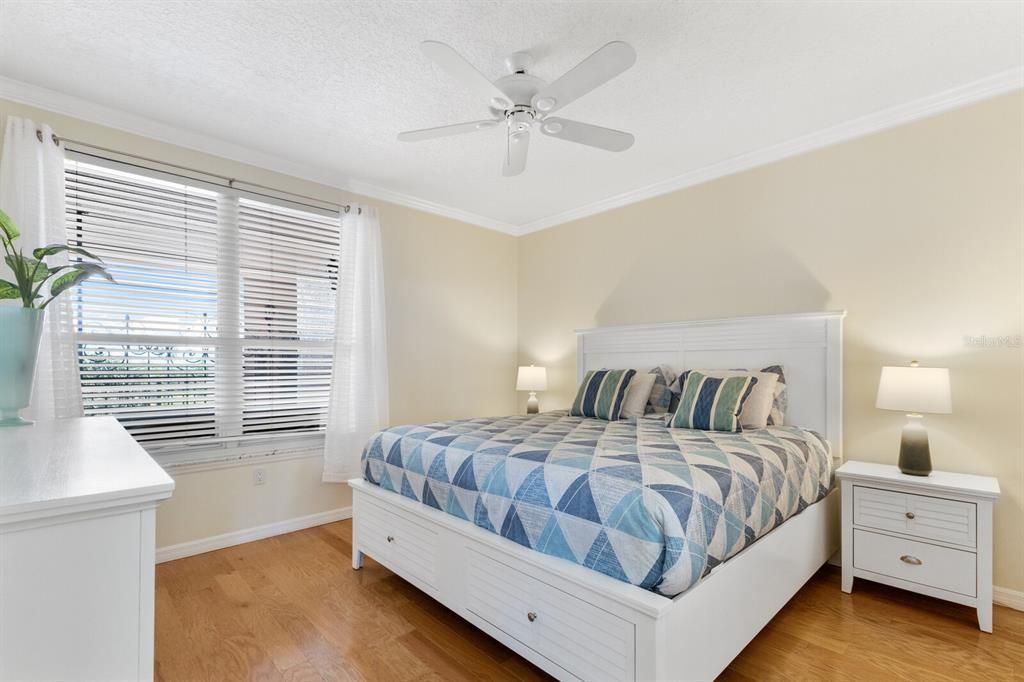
[(20, 329)]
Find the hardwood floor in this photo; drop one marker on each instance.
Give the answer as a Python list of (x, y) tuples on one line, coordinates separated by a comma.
[(291, 608)]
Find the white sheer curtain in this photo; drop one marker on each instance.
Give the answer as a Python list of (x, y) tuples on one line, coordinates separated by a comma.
[(359, 382), (32, 193)]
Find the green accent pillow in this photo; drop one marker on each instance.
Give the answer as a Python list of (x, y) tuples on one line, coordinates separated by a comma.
[(712, 404), (602, 393)]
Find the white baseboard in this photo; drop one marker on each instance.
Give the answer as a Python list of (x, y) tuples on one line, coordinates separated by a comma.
[(1007, 597), (239, 537)]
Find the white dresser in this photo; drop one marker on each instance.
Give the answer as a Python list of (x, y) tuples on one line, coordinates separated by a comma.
[(929, 534), (78, 504)]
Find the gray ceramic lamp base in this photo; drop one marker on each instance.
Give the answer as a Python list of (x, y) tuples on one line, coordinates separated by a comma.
[(532, 405), (915, 456)]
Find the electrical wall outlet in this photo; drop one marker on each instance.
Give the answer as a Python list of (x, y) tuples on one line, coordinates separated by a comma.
[(259, 476)]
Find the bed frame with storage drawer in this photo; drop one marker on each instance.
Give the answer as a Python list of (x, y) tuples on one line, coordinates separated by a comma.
[(578, 624)]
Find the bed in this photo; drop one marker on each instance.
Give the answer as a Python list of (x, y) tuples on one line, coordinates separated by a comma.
[(633, 499), (620, 550)]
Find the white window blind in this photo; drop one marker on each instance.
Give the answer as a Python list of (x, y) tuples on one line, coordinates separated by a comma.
[(219, 329), (288, 262)]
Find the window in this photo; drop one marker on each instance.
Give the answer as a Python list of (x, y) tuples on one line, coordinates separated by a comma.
[(220, 329)]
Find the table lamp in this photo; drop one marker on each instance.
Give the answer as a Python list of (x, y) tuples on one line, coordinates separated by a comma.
[(532, 379), (915, 390)]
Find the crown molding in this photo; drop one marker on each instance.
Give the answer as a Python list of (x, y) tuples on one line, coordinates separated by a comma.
[(985, 88), (86, 110), (75, 107), (409, 201)]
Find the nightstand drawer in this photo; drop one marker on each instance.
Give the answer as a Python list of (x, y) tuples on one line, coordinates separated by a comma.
[(949, 569), (931, 518)]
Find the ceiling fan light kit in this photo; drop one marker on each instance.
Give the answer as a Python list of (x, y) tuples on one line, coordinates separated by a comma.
[(522, 101), (546, 104)]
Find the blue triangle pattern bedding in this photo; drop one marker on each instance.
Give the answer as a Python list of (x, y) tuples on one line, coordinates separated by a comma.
[(633, 499)]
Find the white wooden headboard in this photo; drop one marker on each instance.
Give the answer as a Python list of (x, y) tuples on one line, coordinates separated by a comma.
[(809, 346)]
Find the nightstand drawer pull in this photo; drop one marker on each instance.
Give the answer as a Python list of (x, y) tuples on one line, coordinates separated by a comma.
[(910, 515), (531, 616), (912, 560), (391, 538)]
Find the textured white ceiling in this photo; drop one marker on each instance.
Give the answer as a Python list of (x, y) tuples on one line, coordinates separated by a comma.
[(329, 84)]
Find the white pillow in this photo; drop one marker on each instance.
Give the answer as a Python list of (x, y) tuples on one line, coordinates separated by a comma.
[(759, 404), (637, 394)]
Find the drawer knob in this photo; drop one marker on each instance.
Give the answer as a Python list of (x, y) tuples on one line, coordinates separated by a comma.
[(531, 616), (912, 560), (391, 538), (910, 515)]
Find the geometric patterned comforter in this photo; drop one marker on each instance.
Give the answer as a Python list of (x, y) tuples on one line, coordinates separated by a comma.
[(633, 499)]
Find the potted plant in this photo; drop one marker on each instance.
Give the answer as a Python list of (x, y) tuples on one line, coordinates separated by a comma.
[(22, 325)]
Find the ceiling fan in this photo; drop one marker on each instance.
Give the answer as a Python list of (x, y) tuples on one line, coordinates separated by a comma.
[(522, 101)]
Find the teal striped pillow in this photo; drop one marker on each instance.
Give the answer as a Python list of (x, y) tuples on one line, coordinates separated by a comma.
[(602, 393), (712, 404)]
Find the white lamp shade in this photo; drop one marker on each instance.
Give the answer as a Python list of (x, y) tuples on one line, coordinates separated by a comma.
[(532, 379), (915, 389)]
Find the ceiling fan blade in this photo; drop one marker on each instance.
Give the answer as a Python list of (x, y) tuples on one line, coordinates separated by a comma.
[(585, 133), (515, 157), (597, 69), (445, 131), (456, 65)]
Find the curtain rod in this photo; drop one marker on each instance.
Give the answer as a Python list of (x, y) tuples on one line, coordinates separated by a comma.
[(231, 182)]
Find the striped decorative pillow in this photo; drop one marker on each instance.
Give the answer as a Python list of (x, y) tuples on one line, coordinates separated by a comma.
[(712, 404), (780, 397), (660, 398), (602, 393), (780, 401)]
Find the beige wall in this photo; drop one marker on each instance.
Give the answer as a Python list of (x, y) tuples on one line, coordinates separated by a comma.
[(916, 232), (451, 301)]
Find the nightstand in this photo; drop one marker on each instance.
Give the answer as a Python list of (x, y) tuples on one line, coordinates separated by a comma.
[(927, 534)]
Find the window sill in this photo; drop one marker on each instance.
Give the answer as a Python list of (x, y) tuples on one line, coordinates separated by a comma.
[(192, 460)]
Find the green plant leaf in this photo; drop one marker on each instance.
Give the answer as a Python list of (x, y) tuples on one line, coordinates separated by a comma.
[(7, 228), (78, 274), (50, 250), (66, 281), (16, 260), (8, 290), (94, 269)]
